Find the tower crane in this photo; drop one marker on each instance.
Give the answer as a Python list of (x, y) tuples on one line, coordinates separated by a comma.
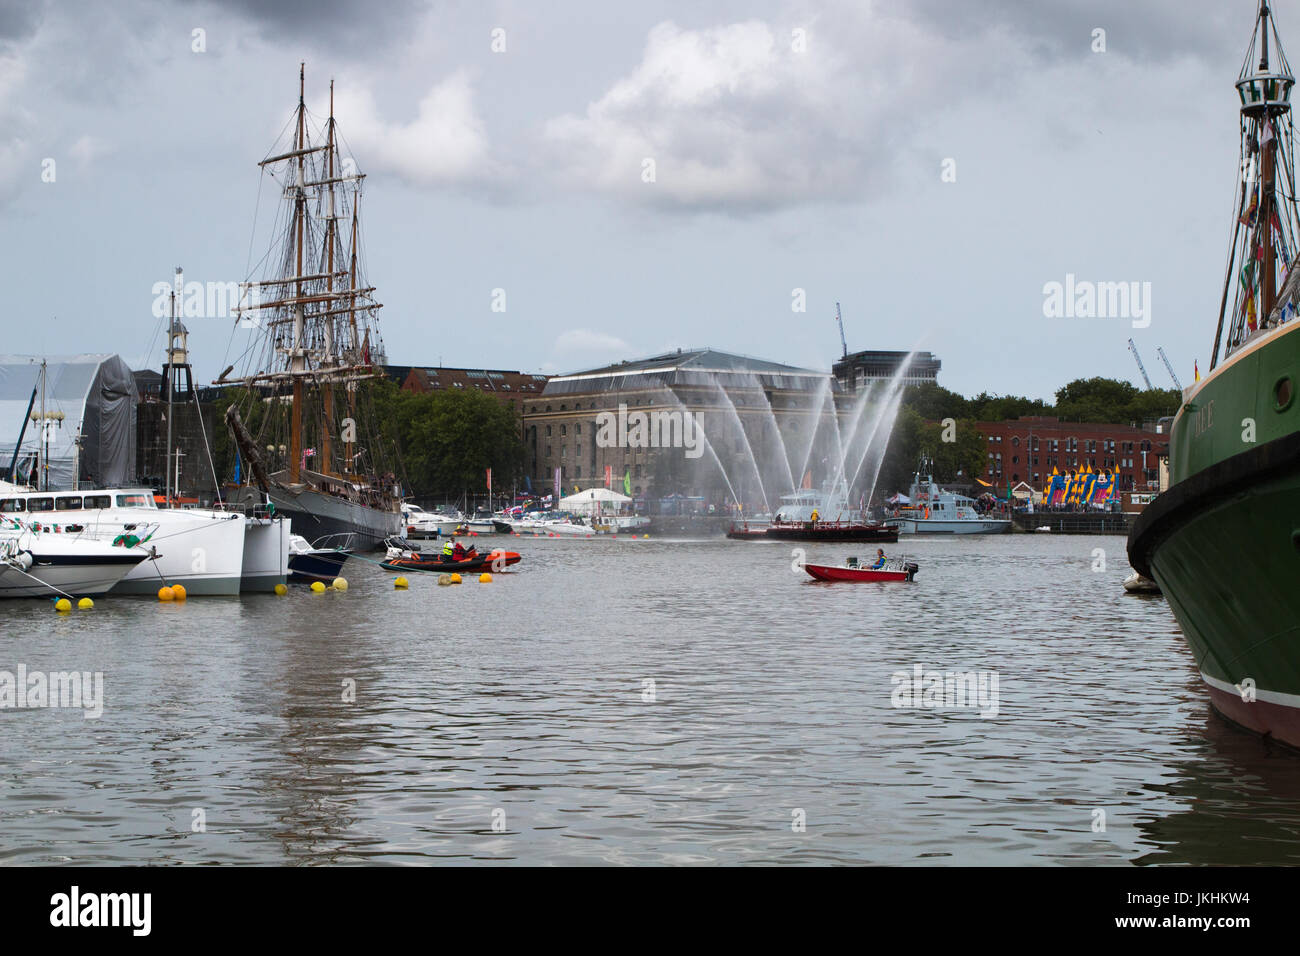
[(1141, 368), (840, 322), (1169, 368)]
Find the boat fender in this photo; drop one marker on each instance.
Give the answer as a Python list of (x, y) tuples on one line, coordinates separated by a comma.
[(24, 559)]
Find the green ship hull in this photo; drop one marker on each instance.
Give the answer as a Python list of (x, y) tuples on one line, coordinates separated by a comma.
[(1223, 542)]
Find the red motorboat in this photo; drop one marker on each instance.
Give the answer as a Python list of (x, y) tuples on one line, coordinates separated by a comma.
[(898, 571)]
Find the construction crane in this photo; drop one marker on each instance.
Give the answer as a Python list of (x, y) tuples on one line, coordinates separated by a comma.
[(1141, 368), (840, 322), (1169, 368)]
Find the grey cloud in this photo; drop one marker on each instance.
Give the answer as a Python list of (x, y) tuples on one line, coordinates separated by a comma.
[(19, 21)]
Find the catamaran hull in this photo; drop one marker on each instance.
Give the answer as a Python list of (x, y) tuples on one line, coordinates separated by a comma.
[(89, 577), (315, 515), (205, 555), (266, 554)]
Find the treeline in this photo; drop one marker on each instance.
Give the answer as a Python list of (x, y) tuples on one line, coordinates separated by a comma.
[(447, 439), (919, 429), (1097, 399), (437, 443)]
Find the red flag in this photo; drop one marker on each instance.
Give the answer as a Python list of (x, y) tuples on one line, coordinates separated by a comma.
[(609, 475), (489, 473)]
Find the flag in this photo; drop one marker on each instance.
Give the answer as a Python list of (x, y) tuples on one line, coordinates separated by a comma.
[(609, 476), (807, 481), (236, 467), (1196, 371), (557, 483), (489, 477), (1248, 217), (627, 482)]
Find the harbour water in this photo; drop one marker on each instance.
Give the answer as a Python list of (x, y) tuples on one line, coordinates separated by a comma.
[(513, 721)]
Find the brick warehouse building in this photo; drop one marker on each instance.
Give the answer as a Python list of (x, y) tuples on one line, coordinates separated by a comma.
[(503, 384), (1027, 449)]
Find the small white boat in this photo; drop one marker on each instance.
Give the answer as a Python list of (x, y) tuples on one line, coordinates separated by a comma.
[(57, 565), (420, 523), (1140, 584)]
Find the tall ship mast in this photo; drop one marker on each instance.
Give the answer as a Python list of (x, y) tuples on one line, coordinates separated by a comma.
[(315, 322), (1223, 542)]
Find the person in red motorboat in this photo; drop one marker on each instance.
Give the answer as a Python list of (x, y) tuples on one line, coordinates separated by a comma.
[(880, 559)]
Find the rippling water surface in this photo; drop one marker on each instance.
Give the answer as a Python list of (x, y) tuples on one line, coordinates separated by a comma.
[(519, 704)]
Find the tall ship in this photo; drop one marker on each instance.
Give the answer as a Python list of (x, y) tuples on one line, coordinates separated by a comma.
[(1223, 542), (316, 316), (931, 510)]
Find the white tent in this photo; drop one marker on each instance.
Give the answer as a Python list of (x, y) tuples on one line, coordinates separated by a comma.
[(594, 499), (86, 398)]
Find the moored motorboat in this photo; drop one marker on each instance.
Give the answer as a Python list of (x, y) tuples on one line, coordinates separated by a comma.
[(320, 560), (419, 523), (52, 565)]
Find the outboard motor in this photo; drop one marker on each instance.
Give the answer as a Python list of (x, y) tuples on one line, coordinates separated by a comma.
[(911, 568)]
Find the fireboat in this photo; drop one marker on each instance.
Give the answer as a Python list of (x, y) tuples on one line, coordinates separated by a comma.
[(809, 515)]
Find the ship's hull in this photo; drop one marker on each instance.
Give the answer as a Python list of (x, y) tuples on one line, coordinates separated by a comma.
[(955, 526), (1223, 543), (314, 515), (832, 532)]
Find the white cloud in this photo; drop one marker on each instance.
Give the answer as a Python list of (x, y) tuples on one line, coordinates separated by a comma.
[(578, 345), (445, 142), (725, 113), (89, 148)]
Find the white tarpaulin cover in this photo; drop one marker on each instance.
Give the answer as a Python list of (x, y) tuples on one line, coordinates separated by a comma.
[(97, 396), (595, 498)]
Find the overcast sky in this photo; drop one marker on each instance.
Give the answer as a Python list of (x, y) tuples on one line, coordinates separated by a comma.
[(795, 146)]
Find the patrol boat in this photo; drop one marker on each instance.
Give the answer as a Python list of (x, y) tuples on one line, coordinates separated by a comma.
[(935, 511)]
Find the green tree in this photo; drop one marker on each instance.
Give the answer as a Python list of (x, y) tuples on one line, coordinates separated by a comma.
[(962, 459), (1095, 399), (997, 408), (934, 402), (448, 439)]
